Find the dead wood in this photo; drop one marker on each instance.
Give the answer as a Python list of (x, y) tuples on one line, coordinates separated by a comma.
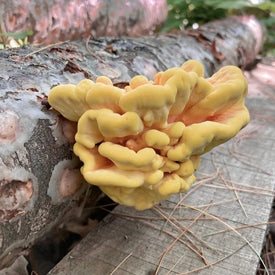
[(60, 20), (35, 151)]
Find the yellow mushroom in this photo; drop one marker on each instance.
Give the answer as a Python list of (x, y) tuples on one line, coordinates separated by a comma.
[(73, 97), (142, 143), (126, 159), (96, 125)]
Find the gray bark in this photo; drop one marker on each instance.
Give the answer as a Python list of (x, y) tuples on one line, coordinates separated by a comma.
[(35, 156), (60, 20)]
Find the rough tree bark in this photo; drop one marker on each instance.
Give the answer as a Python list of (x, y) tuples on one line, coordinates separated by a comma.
[(36, 160), (60, 20)]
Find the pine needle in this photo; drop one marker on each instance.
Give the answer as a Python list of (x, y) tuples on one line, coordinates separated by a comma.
[(214, 263), (46, 47), (234, 230), (121, 263), (238, 228)]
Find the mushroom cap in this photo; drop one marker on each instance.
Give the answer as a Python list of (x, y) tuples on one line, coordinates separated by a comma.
[(142, 143)]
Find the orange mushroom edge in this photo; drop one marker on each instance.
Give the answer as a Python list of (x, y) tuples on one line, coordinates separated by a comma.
[(142, 143)]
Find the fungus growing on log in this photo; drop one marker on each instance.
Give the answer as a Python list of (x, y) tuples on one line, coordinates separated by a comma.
[(142, 143)]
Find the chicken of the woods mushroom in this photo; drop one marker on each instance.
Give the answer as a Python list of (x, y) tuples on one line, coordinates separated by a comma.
[(143, 142)]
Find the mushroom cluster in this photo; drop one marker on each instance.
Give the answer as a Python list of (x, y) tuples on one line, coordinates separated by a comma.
[(143, 142)]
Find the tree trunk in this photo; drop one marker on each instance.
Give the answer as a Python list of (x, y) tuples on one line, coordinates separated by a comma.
[(60, 20), (39, 176)]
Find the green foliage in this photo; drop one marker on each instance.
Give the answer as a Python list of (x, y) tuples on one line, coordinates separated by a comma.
[(185, 13), (265, 12), (269, 45), (15, 39)]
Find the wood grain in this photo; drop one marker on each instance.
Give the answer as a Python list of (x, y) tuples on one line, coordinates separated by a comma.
[(38, 150), (128, 232)]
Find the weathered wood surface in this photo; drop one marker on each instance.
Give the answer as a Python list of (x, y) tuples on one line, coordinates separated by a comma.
[(129, 235), (35, 156), (60, 20)]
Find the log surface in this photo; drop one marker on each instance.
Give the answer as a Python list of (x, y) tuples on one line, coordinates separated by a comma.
[(60, 20), (133, 242), (35, 155)]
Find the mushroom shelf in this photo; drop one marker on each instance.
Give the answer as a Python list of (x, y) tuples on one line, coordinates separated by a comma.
[(143, 142)]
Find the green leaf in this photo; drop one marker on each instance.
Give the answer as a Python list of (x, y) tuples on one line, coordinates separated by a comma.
[(171, 25), (18, 35), (228, 4), (267, 6), (269, 22)]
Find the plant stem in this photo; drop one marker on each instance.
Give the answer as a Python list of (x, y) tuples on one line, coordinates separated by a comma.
[(3, 37)]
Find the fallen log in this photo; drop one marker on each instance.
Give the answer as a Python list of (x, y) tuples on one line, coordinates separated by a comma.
[(218, 227), (39, 177), (60, 20)]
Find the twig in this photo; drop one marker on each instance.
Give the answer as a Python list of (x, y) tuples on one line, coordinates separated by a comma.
[(195, 187), (235, 191), (102, 206), (175, 241), (45, 48), (173, 244), (217, 185), (93, 54), (82, 205), (183, 231), (121, 263), (172, 268), (171, 235), (214, 263), (234, 230), (123, 215), (239, 227), (249, 164), (216, 203), (186, 229), (200, 205), (254, 187), (248, 185)]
